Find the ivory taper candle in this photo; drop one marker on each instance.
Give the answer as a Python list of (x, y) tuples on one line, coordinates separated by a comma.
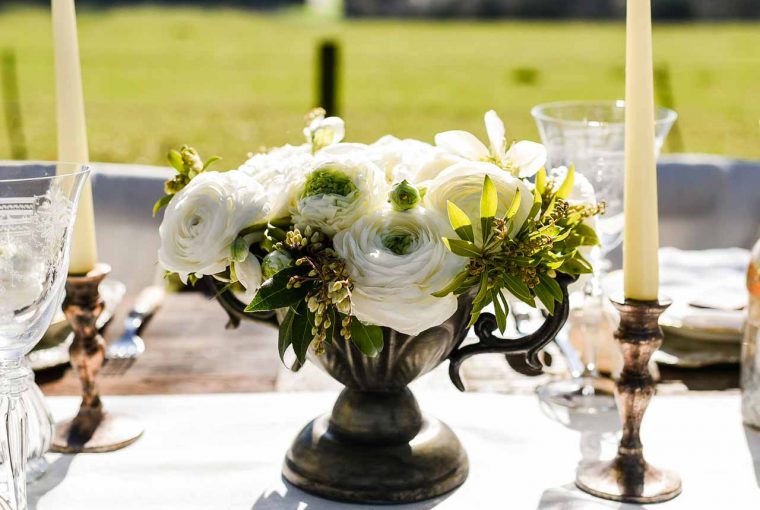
[(641, 230), (72, 130)]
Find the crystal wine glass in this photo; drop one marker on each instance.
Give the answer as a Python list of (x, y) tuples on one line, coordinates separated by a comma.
[(38, 204), (591, 135)]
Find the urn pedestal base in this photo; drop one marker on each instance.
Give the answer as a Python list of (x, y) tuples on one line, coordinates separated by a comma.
[(376, 448)]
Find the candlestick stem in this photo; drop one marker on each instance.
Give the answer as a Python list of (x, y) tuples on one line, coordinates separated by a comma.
[(92, 429), (628, 477)]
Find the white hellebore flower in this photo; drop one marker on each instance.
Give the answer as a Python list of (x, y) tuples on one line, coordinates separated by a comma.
[(409, 159), (396, 261), (523, 158), (249, 275), (462, 184), (203, 220), (280, 171), (339, 191), (323, 132)]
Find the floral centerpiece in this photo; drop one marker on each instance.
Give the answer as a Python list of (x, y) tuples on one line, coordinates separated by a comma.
[(384, 248)]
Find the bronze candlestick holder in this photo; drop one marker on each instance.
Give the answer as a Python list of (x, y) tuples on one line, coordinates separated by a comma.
[(628, 477), (92, 429)]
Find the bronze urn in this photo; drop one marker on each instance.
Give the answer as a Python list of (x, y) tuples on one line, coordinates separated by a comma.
[(376, 445)]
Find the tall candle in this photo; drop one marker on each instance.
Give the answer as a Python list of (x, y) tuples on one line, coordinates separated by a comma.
[(641, 231), (72, 130)]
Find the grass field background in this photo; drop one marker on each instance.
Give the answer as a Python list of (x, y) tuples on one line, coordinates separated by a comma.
[(230, 82)]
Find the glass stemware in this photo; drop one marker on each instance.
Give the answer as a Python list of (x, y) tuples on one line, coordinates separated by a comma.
[(591, 136), (37, 209)]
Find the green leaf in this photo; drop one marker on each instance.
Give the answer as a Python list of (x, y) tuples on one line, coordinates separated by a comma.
[(501, 314), (541, 181), (567, 185), (460, 222), (462, 248), (538, 201), (451, 287), (210, 161), (514, 206), (489, 202), (519, 289), (301, 335), (274, 293), (546, 297), (549, 208), (368, 338), (588, 233), (552, 285), (175, 160), (161, 203), (285, 336)]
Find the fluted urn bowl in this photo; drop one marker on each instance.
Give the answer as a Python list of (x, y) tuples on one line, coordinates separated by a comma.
[(376, 445)]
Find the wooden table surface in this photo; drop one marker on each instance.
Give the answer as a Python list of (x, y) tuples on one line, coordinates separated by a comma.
[(189, 351)]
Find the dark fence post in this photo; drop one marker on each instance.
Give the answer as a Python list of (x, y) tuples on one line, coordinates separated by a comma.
[(328, 67), (663, 86), (12, 105)]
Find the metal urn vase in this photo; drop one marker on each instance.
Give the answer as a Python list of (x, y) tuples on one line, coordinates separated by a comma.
[(376, 445)]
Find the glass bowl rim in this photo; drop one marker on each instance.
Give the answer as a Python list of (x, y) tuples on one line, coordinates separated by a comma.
[(664, 115), (86, 168)]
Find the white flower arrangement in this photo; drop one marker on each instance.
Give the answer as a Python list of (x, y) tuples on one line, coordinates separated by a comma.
[(350, 237)]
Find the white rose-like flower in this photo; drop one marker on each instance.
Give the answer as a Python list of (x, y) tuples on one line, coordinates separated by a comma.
[(323, 132), (202, 221), (462, 184), (338, 191), (396, 260), (280, 171), (409, 159)]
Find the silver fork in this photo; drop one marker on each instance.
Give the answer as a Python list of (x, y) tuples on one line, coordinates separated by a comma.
[(123, 351)]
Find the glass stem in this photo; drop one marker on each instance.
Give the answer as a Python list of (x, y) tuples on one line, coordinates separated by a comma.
[(13, 378)]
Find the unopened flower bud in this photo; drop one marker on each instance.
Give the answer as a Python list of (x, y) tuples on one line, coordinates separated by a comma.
[(275, 262), (404, 196)]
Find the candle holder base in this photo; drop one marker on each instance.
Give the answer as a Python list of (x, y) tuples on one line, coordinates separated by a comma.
[(628, 480), (112, 432)]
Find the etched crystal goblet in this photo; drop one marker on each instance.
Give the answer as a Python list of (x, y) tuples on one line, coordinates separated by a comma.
[(591, 136), (38, 203)]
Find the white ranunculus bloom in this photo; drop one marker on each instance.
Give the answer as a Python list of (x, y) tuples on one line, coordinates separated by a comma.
[(462, 184), (202, 221), (396, 261), (280, 171), (249, 275), (409, 159), (523, 158), (338, 191)]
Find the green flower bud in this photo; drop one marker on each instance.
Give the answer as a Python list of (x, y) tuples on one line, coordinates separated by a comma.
[(191, 161), (404, 196), (275, 262), (239, 250)]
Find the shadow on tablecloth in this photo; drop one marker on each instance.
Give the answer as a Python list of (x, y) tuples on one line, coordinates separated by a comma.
[(56, 473), (753, 442), (287, 497), (569, 497)]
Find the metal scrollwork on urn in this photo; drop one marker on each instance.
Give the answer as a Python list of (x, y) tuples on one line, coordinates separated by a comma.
[(376, 445)]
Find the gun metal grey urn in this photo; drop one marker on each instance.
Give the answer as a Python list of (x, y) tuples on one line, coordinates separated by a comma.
[(376, 445)]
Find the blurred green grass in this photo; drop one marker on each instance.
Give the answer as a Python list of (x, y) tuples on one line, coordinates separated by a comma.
[(230, 81)]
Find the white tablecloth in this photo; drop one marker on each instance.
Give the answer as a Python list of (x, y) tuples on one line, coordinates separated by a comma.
[(224, 452)]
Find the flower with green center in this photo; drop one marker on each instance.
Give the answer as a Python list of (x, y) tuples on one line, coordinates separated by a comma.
[(339, 190), (404, 196), (327, 181), (396, 261)]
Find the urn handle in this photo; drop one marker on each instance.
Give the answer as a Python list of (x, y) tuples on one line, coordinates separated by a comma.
[(518, 350), (232, 305)]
